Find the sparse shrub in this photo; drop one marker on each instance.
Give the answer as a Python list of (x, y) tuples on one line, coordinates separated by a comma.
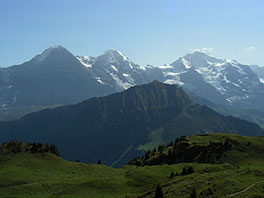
[(184, 171), (54, 149), (34, 148), (190, 170), (148, 154), (170, 144), (227, 145), (176, 140), (182, 138), (14, 146), (172, 174), (161, 148), (39, 145), (187, 170)]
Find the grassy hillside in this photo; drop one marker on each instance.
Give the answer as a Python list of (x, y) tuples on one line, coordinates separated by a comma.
[(206, 148), (24, 173)]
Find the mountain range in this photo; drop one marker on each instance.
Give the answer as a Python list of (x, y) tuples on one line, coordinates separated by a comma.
[(224, 82), (120, 126), (57, 77)]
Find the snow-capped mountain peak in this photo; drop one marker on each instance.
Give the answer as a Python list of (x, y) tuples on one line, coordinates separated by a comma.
[(200, 59), (113, 57), (114, 69), (232, 80), (58, 50), (116, 53)]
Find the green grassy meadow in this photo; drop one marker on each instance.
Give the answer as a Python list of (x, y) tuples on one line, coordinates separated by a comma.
[(24, 175)]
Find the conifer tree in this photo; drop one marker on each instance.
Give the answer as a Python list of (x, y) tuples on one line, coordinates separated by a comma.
[(54, 149), (34, 148), (159, 193), (172, 174), (190, 170), (184, 171)]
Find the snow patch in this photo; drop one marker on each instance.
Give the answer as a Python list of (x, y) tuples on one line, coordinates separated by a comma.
[(237, 98), (84, 60), (144, 68), (219, 64), (213, 77), (129, 63), (114, 68), (186, 63), (235, 84), (129, 78), (228, 60), (165, 67), (174, 81), (122, 55), (225, 79), (120, 83), (98, 79), (228, 100), (172, 73), (209, 63)]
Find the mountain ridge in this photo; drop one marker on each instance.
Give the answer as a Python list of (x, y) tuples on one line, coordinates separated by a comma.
[(122, 125)]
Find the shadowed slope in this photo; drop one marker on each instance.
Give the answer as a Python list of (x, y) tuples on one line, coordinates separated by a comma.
[(118, 127)]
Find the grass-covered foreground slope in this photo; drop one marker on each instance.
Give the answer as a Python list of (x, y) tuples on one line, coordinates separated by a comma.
[(206, 148), (27, 172)]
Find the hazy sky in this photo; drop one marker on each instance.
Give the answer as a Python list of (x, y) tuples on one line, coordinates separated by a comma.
[(147, 31)]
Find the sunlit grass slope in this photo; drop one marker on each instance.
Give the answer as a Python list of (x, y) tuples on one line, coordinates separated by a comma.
[(24, 173)]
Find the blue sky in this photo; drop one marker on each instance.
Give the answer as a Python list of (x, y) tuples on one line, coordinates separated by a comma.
[(147, 31)]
